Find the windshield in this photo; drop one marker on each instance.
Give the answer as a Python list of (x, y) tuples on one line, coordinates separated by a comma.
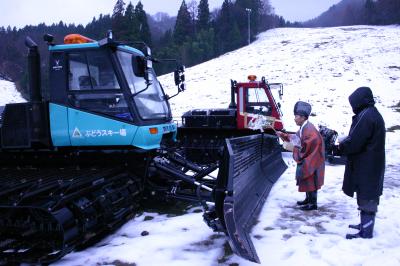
[(151, 102), (257, 102)]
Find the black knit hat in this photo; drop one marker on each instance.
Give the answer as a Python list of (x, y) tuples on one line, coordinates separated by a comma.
[(302, 108)]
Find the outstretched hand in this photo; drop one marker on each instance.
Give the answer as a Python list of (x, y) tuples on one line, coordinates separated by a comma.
[(288, 146)]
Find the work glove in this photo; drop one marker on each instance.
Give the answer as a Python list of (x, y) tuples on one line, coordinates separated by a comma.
[(295, 140), (287, 146)]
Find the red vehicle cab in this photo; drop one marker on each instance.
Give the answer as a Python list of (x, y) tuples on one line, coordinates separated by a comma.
[(256, 105)]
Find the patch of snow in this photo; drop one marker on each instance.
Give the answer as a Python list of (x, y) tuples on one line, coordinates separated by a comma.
[(8, 93)]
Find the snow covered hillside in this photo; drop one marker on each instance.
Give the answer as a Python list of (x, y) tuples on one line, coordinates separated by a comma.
[(8, 93), (322, 66)]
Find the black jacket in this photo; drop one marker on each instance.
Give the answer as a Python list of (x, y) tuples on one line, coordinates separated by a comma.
[(365, 148)]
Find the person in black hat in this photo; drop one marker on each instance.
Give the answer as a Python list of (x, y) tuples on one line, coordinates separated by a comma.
[(365, 166), (309, 153)]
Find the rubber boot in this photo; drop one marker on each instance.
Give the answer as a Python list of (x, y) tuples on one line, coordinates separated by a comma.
[(305, 201), (367, 226), (355, 226), (312, 204)]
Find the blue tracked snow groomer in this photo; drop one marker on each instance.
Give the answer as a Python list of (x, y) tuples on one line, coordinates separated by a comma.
[(77, 162)]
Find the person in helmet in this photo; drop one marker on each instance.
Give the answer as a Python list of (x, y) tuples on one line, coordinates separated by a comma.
[(308, 150), (365, 166)]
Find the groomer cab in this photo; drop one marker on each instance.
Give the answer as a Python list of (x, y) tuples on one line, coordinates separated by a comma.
[(106, 93)]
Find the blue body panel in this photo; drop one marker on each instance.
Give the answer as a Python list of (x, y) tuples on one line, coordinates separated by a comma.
[(86, 129), (59, 125), (131, 49), (90, 45), (143, 139), (72, 127), (73, 46)]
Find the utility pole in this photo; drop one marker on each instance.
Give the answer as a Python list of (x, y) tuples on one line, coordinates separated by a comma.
[(248, 22)]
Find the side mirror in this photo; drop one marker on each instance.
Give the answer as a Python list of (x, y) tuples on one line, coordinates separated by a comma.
[(149, 65), (139, 65)]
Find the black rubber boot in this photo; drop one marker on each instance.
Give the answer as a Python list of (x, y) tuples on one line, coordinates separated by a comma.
[(312, 204), (367, 226), (305, 201), (355, 226)]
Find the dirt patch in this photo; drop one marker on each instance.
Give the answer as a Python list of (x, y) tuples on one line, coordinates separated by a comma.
[(258, 237), (217, 236), (117, 263), (227, 253), (268, 228), (349, 60), (148, 218), (393, 128), (357, 29), (318, 45), (396, 107), (286, 236), (294, 216), (205, 243), (394, 67), (318, 226)]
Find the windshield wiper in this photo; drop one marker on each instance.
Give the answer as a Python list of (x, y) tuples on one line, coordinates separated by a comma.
[(136, 93)]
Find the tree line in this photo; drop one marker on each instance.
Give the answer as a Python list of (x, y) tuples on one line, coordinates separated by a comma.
[(359, 12), (194, 36)]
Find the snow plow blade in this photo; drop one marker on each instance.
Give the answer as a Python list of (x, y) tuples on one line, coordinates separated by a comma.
[(251, 166)]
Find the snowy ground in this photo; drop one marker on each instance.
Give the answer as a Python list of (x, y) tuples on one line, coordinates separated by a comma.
[(322, 66), (8, 93)]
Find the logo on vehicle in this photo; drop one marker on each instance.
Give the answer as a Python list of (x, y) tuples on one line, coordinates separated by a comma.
[(57, 65), (76, 133)]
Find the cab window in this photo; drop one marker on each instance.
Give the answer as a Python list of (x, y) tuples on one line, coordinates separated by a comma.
[(257, 101), (91, 71), (93, 85)]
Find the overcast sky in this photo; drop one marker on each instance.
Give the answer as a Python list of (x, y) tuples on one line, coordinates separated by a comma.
[(32, 12)]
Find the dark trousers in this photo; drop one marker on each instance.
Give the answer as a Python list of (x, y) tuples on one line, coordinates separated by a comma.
[(368, 206)]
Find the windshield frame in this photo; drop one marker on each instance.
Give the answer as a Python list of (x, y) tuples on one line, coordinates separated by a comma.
[(137, 87)]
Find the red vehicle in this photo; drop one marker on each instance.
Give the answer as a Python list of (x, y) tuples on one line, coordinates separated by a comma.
[(252, 108), (254, 101)]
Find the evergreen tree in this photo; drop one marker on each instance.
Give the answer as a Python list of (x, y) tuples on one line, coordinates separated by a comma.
[(226, 28), (118, 20), (241, 16), (389, 11), (183, 25), (143, 26), (131, 23), (234, 37), (370, 12), (203, 16)]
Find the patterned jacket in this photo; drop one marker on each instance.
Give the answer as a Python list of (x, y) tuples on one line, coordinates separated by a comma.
[(310, 159)]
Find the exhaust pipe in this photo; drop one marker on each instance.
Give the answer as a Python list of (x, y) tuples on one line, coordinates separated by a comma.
[(33, 71), (38, 117), (233, 87)]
